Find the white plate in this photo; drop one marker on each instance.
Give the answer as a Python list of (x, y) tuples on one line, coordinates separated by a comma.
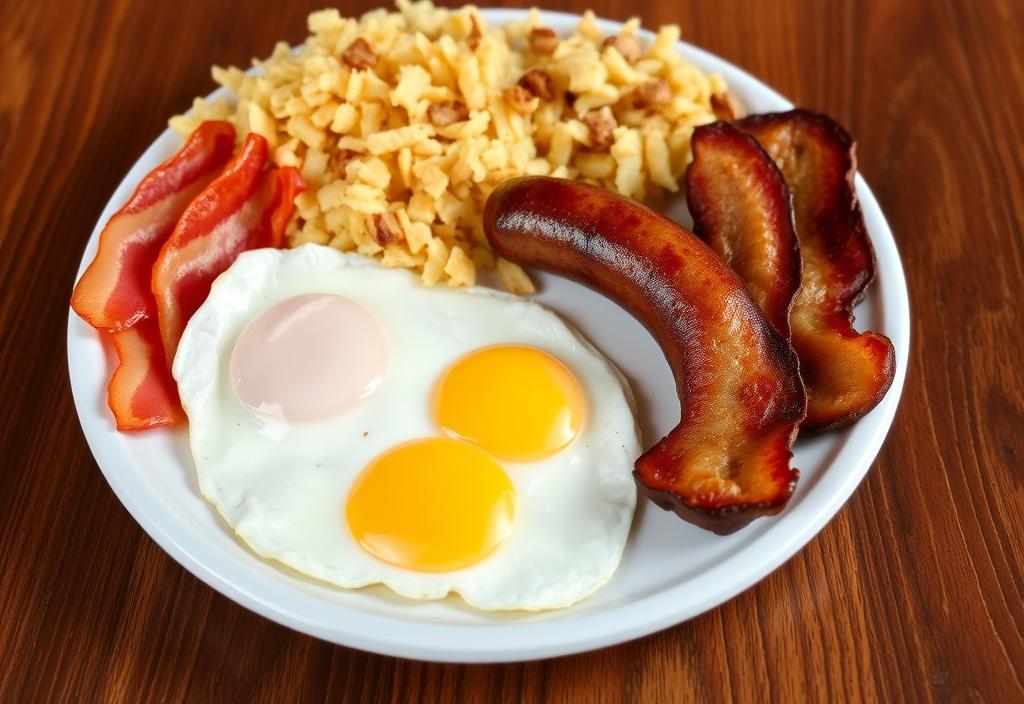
[(671, 570)]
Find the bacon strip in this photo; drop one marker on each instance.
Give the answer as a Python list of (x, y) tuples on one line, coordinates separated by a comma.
[(114, 292), (244, 208), (141, 394), (846, 373), (741, 208)]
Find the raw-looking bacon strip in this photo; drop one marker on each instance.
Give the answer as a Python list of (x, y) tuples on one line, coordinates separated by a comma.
[(141, 393), (114, 292), (246, 207), (741, 208), (846, 373)]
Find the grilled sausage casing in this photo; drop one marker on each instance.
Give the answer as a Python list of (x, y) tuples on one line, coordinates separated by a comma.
[(727, 461)]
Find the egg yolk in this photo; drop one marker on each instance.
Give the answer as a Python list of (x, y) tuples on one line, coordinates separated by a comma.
[(308, 358), (431, 505), (518, 403)]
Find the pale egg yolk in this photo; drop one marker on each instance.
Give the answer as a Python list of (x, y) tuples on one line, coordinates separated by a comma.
[(308, 358), (431, 505), (518, 403)]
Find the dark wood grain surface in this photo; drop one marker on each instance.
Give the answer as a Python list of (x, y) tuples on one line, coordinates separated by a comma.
[(914, 592)]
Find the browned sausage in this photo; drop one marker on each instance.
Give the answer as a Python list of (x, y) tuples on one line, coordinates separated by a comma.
[(727, 461)]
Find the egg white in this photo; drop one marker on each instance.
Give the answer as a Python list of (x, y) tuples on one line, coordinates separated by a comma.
[(283, 488)]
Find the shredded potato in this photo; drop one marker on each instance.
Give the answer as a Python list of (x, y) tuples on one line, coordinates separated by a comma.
[(402, 124)]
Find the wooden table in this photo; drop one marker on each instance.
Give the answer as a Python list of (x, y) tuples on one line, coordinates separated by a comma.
[(914, 591)]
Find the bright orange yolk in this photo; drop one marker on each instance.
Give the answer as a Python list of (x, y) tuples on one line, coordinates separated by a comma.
[(432, 505), (518, 403)]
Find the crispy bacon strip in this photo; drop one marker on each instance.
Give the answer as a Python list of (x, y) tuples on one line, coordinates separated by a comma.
[(846, 373), (727, 461), (741, 208), (114, 292), (244, 208), (141, 394)]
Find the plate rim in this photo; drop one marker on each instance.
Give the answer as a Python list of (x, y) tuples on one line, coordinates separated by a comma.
[(518, 641)]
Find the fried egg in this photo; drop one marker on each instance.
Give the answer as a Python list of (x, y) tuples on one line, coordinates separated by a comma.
[(361, 428)]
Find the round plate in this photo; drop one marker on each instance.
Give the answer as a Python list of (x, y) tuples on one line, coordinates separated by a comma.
[(671, 571)]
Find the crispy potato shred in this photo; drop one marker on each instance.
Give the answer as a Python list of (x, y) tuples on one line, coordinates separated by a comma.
[(403, 122)]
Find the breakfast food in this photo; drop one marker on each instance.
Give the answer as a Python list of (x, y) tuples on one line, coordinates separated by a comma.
[(114, 296), (246, 207), (741, 207), (727, 461), (141, 393), (362, 426), (402, 124), (846, 373), (114, 291), (327, 400), (184, 224)]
